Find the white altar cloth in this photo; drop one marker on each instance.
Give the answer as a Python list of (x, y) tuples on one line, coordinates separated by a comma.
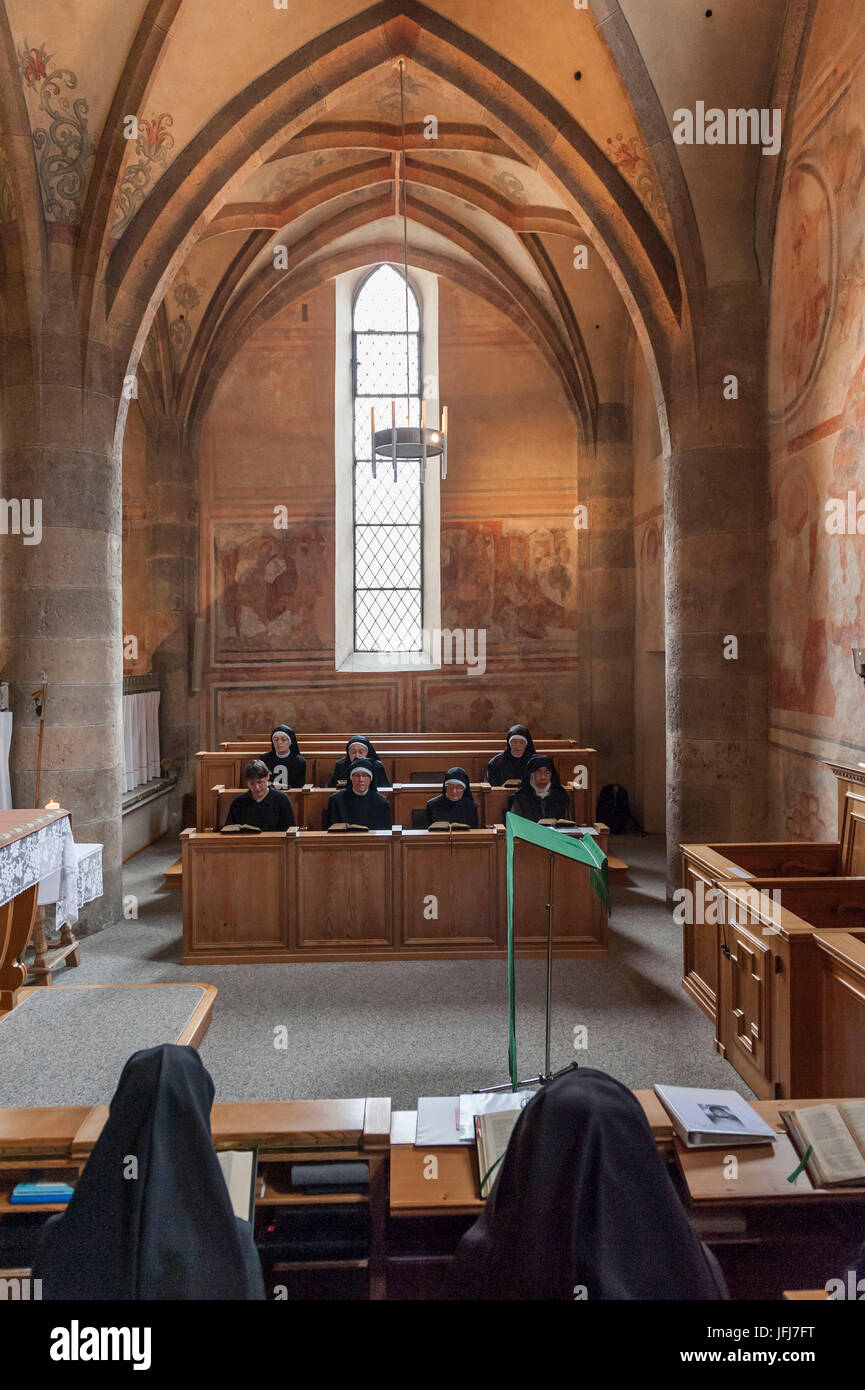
[(33, 846), (88, 882)]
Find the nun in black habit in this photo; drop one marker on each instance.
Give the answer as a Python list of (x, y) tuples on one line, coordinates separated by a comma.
[(359, 803), (284, 764), (540, 795), (167, 1231), (583, 1208), (456, 803), (510, 765), (359, 746)]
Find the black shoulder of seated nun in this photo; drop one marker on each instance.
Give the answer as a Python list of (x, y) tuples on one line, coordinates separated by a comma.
[(583, 1207), (370, 809), (167, 1231), (528, 803), (462, 812), (273, 812), (504, 767), (294, 765), (341, 770)]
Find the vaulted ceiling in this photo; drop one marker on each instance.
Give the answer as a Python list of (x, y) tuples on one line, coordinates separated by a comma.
[(531, 129)]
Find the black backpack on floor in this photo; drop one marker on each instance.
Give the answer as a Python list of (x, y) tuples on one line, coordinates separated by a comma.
[(613, 810)]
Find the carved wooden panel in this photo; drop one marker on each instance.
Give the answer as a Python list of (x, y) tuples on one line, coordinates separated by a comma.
[(744, 1018), (235, 902), (853, 835), (450, 889), (577, 916), (700, 941), (842, 1031), (342, 890)]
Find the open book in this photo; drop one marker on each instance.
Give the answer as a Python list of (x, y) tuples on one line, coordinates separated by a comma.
[(343, 825), (493, 1131), (448, 825), (556, 823), (240, 830), (833, 1137)]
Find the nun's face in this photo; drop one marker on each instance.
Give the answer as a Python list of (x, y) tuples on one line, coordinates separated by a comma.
[(517, 745), (281, 745), (360, 781), (542, 777), (454, 791), (357, 750), (258, 787)]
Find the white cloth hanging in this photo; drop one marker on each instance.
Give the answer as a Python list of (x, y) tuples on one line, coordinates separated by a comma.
[(5, 740), (140, 738)]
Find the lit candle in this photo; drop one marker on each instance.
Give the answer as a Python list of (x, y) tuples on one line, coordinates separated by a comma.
[(52, 805), (423, 415), (393, 415), (444, 419)]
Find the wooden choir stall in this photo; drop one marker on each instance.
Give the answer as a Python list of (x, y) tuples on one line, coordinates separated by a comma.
[(774, 954), (380, 895)]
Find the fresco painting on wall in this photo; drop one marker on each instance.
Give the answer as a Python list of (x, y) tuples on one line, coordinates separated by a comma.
[(516, 580), (275, 590), (548, 704), (649, 617), (817, 401), (363, 707)]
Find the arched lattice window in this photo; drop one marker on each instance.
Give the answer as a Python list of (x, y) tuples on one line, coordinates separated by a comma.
[(388, 513)]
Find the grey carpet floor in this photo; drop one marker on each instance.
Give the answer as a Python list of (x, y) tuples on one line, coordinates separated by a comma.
[(409, 1028), (52, 1036)]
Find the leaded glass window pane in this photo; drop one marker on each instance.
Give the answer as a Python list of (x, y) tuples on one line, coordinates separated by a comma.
[(388, 512)]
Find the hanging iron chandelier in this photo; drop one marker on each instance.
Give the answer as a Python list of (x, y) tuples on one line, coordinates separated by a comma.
[(408, 442)]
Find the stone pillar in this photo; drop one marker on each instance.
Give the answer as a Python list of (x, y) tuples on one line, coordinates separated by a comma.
[(716, 563), (61, 597), (606, 578), (172, 493)]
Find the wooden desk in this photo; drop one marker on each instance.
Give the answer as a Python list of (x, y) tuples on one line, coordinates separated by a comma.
[(455, 1192), (57, 1142), (764, 1235), (381, 895), (763, 1169)]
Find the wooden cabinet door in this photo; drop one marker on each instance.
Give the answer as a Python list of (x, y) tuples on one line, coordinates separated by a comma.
[(745, 1008), (700, 942)]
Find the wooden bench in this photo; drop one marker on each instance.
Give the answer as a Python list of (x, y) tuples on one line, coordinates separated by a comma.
[(225, 769)]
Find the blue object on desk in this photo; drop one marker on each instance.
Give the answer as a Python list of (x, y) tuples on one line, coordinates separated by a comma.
[(39, 1193)]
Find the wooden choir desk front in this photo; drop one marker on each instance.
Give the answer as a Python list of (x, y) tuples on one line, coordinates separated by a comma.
[(455, 1191), (56, 1142), (380, 895), (766, 1233)]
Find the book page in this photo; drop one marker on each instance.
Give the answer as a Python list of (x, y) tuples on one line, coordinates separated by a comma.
[(494, 1131), (835, 1152), (854, 1114), (236, 1165)]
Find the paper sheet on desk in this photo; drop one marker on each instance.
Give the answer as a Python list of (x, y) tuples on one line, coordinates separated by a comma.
[(437, 1121), (484, 1103)]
